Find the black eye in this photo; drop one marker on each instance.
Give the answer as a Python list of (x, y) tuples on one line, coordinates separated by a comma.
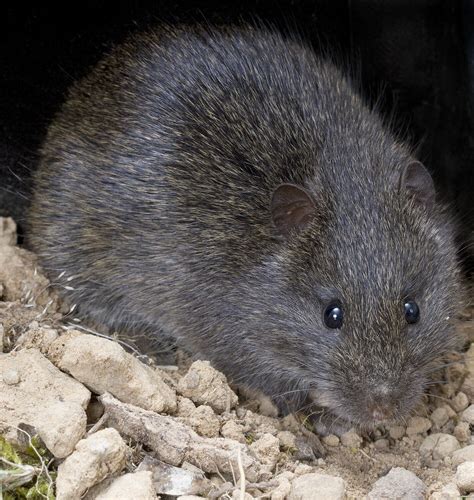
[(333, 316), (412, 312)]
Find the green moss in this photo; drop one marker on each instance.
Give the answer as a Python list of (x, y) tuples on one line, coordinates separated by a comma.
[(249, 438), (24, 474)]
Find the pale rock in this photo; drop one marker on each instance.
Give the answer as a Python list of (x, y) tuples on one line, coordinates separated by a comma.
[(62, 425), (95, 458), (104, 366), (465, 454), (267, 450), (460, 402), (287, 440), (418, 425), (136, 486), (468, 415), (174, 442), (283, 489), (301, 469), (465, 477), (205, 385), (19, 277), (175, 481), (331, 440), (468, 386), (438, 446), (451, 413), (39, 337), (42, 397), (381, 444), (351, 439), (396, 431), (233, 430), (448, 492), (204, 421), (185, 407), (462, 432), (399, 483), (316, 486), (439, 417), (11, 377)]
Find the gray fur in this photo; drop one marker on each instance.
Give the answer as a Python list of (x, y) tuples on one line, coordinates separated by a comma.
[(153, 195)]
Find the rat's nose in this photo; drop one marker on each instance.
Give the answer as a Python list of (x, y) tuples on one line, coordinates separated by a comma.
[(380, 412), (381, 406)]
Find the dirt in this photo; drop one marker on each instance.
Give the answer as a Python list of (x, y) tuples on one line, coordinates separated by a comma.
[(187, 420)]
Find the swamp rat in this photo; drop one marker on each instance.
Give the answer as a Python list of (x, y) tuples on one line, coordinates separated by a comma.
[(229, 188)]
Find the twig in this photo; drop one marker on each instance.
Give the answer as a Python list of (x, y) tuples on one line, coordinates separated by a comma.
[(242, 475), (98, 424)]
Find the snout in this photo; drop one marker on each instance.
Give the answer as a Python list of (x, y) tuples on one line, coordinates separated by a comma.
[(381, 410), (386, 402), (382, 403)]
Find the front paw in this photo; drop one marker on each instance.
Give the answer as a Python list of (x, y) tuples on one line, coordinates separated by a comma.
[(324, 422)]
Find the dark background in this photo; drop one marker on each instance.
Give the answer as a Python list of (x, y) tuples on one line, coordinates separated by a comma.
[(415, 56)]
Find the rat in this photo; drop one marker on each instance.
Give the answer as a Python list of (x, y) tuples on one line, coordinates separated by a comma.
[(229, 188)]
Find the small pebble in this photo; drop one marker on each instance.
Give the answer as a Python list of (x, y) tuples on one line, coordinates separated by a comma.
[(377, 433), (137, 485), (447, 461), (205, 385), (185, 406), (418, 425), (283, 489), (204, 421), (11, 377), (287, 440), (351, 439), (460, 402), (448, 492), (233, 430), (464, 455), (381, 444), (331, 440), (301, 469), (396, 431), (439, 446), (462, 432), (451, 412), (465, 477), (317, 486), (267, 450), (468, 415), (439, 417)]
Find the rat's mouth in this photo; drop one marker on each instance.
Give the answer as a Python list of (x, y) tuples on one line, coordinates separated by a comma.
[(332, 415)]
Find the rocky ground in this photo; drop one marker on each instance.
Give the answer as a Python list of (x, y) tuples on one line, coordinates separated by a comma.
[(102, 424)]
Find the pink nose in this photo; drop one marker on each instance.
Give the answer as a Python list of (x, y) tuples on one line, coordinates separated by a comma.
[(380, 413)]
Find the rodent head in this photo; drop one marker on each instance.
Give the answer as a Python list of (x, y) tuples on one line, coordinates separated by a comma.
[(373, 289)]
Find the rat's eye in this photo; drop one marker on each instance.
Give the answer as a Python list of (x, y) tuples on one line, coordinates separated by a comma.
[(412, 312), (333, 315)]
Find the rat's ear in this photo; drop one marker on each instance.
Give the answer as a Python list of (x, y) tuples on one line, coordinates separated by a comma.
[(292, 208), (416, 181)]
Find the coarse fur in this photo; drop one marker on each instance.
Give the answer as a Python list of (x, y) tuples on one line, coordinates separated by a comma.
[(153, 204)]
